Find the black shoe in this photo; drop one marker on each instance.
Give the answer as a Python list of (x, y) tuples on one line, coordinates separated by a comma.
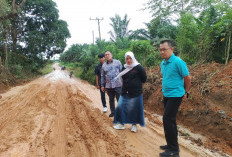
[(111, 115), (167, 148), (164, 147), (169, 154)]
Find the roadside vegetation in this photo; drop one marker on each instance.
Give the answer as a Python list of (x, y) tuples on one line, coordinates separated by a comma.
[(30, 33), (200, 29), (47, 68)]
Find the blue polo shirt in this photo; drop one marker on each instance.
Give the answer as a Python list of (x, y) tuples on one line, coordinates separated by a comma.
[(173, 71)]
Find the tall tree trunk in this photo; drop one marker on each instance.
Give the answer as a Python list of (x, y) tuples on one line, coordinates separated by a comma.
[(228, 49), (14, 34), (0, 64), (6, 46), (226, 42)]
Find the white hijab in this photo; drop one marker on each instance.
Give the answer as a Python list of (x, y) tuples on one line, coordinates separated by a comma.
[(127, 66)]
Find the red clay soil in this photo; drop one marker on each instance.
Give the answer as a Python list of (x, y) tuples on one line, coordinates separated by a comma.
[(210, 93), (56, 115), (59, 116)]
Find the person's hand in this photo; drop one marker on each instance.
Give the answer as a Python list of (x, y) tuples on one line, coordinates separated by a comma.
[(103, 89), (185, 96), (0, 97), (97, 86)]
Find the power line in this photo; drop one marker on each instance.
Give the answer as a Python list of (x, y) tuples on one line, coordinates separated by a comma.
[(98, 21)]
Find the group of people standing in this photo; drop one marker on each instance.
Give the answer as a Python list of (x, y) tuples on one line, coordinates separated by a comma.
[(125, 84)]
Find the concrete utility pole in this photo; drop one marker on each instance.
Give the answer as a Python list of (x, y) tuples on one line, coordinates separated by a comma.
[(98, 21), (93, 36)]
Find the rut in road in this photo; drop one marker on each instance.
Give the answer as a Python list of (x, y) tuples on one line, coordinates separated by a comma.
[(47, 118)]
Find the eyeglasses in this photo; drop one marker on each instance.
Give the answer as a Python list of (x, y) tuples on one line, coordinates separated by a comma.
[(164, 49)]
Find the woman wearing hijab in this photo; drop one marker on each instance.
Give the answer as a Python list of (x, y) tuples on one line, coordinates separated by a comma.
[(130, 105)]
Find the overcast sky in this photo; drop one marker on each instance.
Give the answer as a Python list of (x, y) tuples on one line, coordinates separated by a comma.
[(77, 13)]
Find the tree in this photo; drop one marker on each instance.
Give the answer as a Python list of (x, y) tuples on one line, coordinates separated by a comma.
[(31, 29), (187, 36), (208, 37), (74, 53), (224, 29), (161, 28), (140, 34), (172, 9), (13, 16), (4, 30), (16, 5), (4, 8), (164, 9), (120, 28), (228, 34), (101, 44), (43, 32)]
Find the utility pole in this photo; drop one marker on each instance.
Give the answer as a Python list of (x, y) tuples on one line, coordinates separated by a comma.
[(93, 36), (98, 21)]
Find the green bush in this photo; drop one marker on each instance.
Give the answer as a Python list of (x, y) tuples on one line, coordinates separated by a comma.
[(89, 75), (46, 69), (123, 43), (16, 70), (121, 56), (153, 59), (141, 49), (188, 59), (112, 48)]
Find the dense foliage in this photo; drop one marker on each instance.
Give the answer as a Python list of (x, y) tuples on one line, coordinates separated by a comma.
[(201, 29), (30, 32)]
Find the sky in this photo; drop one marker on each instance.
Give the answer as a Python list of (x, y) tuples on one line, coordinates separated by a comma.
[(77, 14)]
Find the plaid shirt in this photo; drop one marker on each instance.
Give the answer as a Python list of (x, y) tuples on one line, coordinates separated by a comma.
[(109, 72)]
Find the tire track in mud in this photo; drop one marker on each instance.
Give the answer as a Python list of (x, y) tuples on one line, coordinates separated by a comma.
[(8, 112), (55, 119), (94, 130)]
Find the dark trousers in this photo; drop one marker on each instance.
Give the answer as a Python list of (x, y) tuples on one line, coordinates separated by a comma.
[(103, 98), (112, 93), (171, 105)]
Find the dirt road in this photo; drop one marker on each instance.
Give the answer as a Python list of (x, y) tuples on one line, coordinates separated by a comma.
[(58, 116)]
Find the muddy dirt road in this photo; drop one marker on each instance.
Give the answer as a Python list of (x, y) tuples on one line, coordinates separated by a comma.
[(58, 116)]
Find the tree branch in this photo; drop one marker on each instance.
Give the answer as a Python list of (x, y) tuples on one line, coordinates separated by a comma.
[(21, 4), (9, 16), (13, 12)]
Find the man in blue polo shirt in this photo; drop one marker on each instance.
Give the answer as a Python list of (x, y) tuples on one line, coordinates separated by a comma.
[(175, 86)]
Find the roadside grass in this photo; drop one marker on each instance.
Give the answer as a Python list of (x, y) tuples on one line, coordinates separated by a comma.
[(47, 69)]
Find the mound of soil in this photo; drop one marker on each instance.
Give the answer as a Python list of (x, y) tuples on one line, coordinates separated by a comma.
[(208, 111)]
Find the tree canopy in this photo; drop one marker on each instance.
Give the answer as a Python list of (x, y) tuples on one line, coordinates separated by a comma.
[(30, 31), (120, 28)]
